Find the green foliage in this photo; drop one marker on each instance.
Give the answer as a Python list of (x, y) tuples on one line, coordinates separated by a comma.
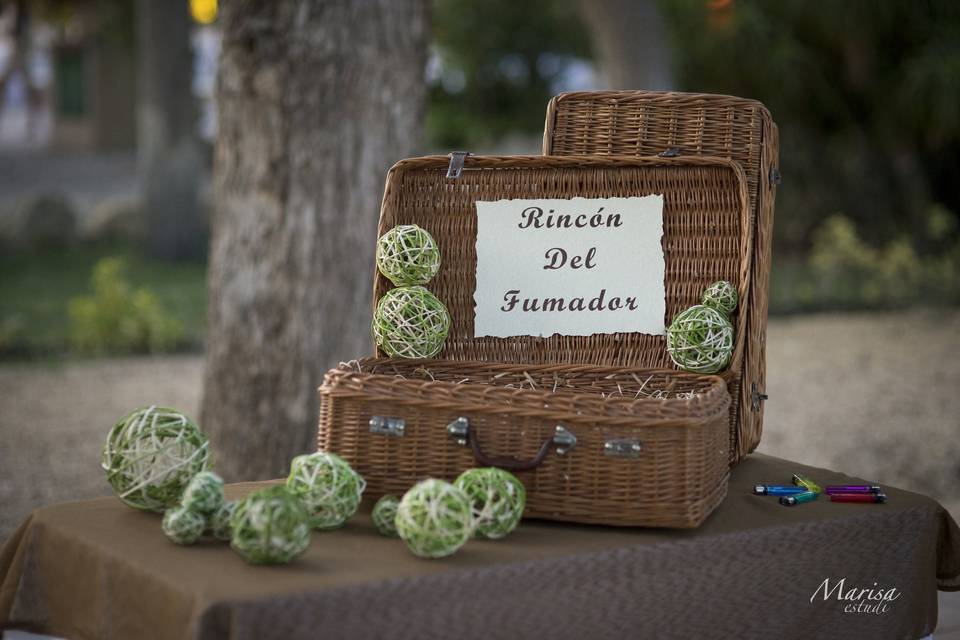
[(851, 272), (497, 62), (119, 319), (866, 96)]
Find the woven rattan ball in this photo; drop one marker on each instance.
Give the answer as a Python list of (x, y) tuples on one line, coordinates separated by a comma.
[(220, 521), (700, 340), (410, 322), (434, 518), (327, 486), (385, 514), (151, 455), (722, 296), (408, 255), (204, 493), (270, 526), (182, 525), (498, 499)]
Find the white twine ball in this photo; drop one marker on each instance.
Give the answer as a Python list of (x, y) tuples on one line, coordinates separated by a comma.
[(220, 521), (329, 488), (498, 499), (408, 255), (183, 526), (700, 340), (434, 518), (722, 296), (204, 493), (384, 515), (151, 455)]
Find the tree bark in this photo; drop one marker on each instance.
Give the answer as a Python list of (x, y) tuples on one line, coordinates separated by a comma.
[(171, 163), (316, 99), (630, 40)]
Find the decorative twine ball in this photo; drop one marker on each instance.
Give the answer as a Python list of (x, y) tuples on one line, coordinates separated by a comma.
[(410, 322), (270, 526), (151, 455), (408, 255), (204, 493), (700, 339), (722, 296), (498, 499), (328, 487), (220, 521), (183, 526), (385, 514), (434, 518)]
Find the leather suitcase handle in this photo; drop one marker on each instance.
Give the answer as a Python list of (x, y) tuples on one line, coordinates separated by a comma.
[(465, 433)]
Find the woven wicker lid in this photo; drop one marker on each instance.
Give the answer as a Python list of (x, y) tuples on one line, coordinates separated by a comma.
[(707, 236)]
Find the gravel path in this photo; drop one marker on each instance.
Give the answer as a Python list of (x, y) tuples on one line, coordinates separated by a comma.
[(874, 395)]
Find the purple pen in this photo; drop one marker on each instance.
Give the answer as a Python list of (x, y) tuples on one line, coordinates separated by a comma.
[(852, 488)]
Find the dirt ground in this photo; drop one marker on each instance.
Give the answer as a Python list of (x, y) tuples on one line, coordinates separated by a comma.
[(873, 395)]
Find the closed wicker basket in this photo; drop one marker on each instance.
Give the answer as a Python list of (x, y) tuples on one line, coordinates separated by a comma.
[(597, 427), (591, 444), (646, 123)]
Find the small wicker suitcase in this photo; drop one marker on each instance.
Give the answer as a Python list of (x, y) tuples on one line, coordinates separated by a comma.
[(645, 123), (597, 427)]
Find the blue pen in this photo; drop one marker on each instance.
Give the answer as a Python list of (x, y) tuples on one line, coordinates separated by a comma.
[(777, 490)]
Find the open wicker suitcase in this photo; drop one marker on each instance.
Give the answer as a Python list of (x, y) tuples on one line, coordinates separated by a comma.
[(599, 428), (647, 123)]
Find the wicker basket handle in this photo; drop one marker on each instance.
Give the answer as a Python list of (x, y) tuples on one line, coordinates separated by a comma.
[(464, 433)]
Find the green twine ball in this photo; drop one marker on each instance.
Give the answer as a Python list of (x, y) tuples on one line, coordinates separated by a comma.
[(408, 255), (220, 521), (434, 518), (204, 493), (385, 514), (410, 322), (722, 296), (270, 526), (151, 455), (328, 487), (700, 340), (498, 499), (182, 525)]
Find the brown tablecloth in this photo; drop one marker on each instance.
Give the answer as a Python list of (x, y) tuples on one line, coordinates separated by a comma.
[(98, 569)]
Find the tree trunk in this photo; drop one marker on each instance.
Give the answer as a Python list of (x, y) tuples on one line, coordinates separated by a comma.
[(630, 40), (316, 99), (169, 155)]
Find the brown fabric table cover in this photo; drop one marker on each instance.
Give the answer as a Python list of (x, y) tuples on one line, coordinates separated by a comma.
[(98, 569)]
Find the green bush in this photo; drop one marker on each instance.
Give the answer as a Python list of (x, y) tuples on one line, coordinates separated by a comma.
[(850, 272), (119, 319)]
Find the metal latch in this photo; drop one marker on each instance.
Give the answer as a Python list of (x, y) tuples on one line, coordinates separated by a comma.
[(756, 397), (388, 426), (456, 163), (672, 152), (775, 176), (622, 448)]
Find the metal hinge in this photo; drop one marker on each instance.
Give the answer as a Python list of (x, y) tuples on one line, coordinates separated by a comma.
[(756, 397), (455, 168)]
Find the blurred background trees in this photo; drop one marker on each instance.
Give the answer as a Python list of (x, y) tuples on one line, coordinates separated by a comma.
[(865, 94)]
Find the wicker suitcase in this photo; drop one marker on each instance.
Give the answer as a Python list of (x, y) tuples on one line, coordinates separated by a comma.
[(646, 123), (649, 445)]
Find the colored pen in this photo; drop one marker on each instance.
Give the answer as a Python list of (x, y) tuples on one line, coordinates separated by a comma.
[(853, 488), (858, 497), (777, 490), (800, 498), (807, 483)]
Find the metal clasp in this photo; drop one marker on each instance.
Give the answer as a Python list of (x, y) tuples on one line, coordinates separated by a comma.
[(459, 430), (455, 167), (775, 176), (622, 448), (388, 426), (672, 152), (563, 440)]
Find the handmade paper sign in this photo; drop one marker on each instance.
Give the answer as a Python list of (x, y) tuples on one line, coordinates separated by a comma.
[(574, 267)]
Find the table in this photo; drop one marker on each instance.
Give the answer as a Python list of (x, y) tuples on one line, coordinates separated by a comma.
[(98, 569)]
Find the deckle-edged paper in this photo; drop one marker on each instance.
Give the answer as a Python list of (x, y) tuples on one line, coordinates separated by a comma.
[(575, 266)]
